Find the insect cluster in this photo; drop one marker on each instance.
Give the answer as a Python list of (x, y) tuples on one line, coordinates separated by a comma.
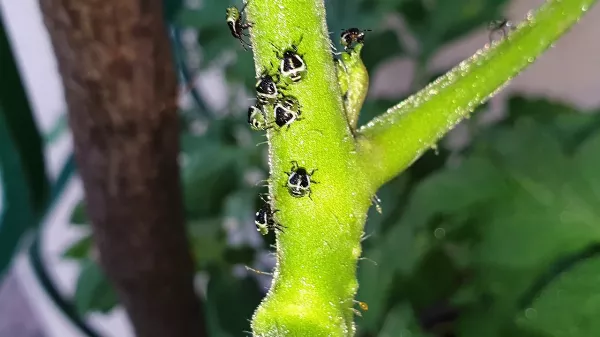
[(276, 109), (273, 107)]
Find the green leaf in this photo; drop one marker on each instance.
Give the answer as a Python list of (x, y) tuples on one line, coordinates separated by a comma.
[(568, 124), (240, 205), (547, 215), (211, 13), (391, 195), (443, 21), (22, 166), (511, 210), (94, 292), (20, 124), (587, 161), (209, 174), (380, 46), (242, 70), (171, 8), (569, 306), (401, 321), (60, 127), (79, 215), (229, 304), (207, 242), (435, 279), (451, 191), (16, 214), (80, 249), (215, 40), (374, 280)]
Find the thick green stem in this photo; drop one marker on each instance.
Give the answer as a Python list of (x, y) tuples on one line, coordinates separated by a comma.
[(394, 140), (315, 278)]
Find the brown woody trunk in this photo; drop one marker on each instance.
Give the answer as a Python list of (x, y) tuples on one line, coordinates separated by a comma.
[(115, 60)]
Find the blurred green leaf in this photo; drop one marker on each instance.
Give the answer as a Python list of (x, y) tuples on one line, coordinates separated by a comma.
[(16, 214), (20, 124), (587, 160), (94, 292), (450, 191), (517, 203), (210, 13), (230, 303), (344, 14), (380, 46), (569, 125), (242, 70), (569, 306), (60, 127), (436, 23), (171, 8), (391, 195), (240, 205), (401, 321), (435, 279), (22, 167), (207, 242), (209, 174), (215, 40), (79, 215), (80, 249), (374, 280)]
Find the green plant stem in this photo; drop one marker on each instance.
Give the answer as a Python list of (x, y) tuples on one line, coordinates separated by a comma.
[(314, 281), (394, 140), (357, 83)]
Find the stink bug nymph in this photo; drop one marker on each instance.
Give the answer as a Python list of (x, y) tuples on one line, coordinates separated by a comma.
[(292, 64), (299, 181), (351, 36), (266, 89), (235, 21), (265, 221), (287, 111), (257, 118), (500, 26)]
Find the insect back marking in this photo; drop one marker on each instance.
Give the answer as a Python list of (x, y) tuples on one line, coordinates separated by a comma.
[(286, 111), (352, 36), (291, 63), (237, 24), (266, 88), (265, 220), (257, 118), (299, 180)]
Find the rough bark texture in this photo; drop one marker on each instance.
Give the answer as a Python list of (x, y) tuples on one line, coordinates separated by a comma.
[(115, 60)]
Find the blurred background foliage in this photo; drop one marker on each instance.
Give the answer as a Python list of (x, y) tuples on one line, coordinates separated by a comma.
[(494, 238)]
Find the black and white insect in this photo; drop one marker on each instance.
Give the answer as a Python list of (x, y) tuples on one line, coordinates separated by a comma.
[(351, 36), (502, 27), (237, 24), (257, 117), (265, 220), (291, 64), (287, 111), (299, 180), (266, 89)]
